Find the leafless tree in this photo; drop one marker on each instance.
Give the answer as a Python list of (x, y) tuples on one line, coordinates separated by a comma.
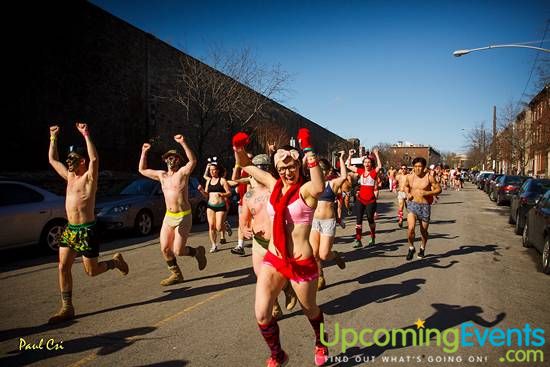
[(513, 137), (225, 93), (478, 145)]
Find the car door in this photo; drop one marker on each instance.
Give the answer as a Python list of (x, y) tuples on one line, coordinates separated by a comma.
[(23, 214), (540, 217)]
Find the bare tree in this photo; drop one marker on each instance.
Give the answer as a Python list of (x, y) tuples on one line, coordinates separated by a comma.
[(226, 93), (514, 137), (478, 145)]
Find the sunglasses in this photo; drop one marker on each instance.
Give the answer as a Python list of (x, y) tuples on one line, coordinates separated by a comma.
[(282, 170)]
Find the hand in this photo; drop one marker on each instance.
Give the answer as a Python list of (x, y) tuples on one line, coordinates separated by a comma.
[(54, 130), (304, 138), (375, 151), (247, 232), (145, 147), (341, 153), (179, 138), (240, 140), (83, 128), (199, 188), (352, 151), (271, 146)]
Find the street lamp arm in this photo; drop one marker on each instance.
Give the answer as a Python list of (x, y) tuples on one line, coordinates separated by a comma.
[(459, 53)]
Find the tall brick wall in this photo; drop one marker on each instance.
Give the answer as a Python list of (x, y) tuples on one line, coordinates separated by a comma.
[(81, 63)]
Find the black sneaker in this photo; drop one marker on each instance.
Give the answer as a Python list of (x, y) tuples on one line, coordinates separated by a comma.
[(238, 250), (411, 253), (223, 241), (228, 228), (420, 254)]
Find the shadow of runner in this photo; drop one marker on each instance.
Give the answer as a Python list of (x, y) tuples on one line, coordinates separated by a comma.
[(108, 343), (445, 317), (166, 364)]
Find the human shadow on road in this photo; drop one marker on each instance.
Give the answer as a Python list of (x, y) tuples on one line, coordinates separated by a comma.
[(431, 260), (445, 317), (108, 343), (24, 331), (166, 364), (377, 293)]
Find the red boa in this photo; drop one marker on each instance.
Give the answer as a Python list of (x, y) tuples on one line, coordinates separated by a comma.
[(280, 203)]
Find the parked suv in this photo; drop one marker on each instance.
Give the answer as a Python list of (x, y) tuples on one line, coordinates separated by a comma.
[(536, 232)]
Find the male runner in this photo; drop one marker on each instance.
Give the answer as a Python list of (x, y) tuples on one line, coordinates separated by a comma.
[(420, 187), (178, 219), (80, 235), (401, 177)]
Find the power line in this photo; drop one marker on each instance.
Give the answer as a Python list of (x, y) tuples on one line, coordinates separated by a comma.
[(535, 62)]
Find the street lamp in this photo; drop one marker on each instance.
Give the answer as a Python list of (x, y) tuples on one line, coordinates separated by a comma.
[(459, 53)]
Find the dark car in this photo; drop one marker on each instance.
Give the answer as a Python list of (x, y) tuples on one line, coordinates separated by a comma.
[(140, 206), (505, 187), (491, 182), (536, 232), (482, 178), (524, 199)]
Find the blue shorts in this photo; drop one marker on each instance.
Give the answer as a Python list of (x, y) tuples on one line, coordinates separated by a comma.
[(420, 210)]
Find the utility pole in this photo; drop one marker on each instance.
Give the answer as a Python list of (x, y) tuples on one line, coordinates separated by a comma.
[(493, 143)]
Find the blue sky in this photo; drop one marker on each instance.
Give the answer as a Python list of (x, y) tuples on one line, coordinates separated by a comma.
[(382, 71)]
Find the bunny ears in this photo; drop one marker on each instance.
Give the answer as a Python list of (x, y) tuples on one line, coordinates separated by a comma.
[(213, 161)]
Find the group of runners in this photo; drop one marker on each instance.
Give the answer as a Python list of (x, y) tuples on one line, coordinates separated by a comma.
[(291, 202)]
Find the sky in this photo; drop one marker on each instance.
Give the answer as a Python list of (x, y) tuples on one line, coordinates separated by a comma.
[(380, 71)]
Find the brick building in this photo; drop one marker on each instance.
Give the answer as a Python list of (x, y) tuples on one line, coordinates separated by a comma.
[(77, 62), (406, 153)]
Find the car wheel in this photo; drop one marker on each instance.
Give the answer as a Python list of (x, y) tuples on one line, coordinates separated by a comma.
[(517, 228), (144, 223), (499, 200), (200, 214), (524, 238), (51, 234)]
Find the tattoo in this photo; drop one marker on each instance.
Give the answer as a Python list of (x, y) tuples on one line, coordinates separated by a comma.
[(252, 211), (248, 194)]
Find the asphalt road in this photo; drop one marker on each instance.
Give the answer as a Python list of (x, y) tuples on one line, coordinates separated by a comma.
[(476, 276)]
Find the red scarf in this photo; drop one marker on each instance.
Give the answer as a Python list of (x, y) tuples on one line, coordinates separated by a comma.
[(280, 203)]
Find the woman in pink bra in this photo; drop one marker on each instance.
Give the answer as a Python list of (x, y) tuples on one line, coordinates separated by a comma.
[(289, 256)]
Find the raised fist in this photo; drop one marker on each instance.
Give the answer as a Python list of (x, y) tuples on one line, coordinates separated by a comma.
[(179, 138), (375, 151), (54, 130), (145, 147), (304, 138), (82, 127), (341, 153), (240, 140)]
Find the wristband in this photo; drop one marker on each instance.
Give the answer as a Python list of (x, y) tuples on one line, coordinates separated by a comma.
[(52, 138), (308, 149), (237, 166), (312, 164)]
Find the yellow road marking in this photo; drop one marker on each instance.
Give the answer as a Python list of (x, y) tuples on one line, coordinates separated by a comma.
[(92, 356)]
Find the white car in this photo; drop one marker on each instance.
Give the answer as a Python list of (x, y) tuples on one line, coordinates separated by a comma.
[(30, 215)]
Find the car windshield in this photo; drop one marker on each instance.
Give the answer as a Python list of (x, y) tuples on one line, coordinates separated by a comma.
[(139, 187)]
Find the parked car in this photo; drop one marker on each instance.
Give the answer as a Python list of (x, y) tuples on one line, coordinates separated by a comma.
[(491, 182), (480, 181), (140, 206), (30, 215), (525, 199), (505, 187), (536, 232)]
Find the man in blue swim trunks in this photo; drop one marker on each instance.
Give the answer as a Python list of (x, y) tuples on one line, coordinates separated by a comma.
[(420, 188)]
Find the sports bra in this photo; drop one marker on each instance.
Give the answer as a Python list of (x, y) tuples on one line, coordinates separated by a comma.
[(327, 194), (216, 187), (297, 212)]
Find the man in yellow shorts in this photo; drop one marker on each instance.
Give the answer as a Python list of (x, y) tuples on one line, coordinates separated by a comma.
[(178, 219)]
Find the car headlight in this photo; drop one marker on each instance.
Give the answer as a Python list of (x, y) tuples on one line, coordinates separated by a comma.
[(119, 209)]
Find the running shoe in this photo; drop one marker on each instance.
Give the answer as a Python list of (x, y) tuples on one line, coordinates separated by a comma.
[(238, 250), (339, 261), (223, 241), (321, 355), (358, 244), (410, 254), (400, 223), (272, 362), (201, 257), (342, 224), (372, 241), (228, 228), (213, 249), (420, 254)]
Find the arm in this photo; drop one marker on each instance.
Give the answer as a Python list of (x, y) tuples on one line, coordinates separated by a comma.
[(205, 174), (53, 156), (407, 188), (378, 161), (93, 167), (436, 188), (337, 182), (259, 175), (348, 161), (152, 174), (190, 166), (227, 192)]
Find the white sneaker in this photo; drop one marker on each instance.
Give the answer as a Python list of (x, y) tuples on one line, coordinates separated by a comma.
[(213, 249)]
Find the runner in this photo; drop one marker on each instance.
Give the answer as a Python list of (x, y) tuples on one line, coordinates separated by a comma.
[(216, 191), (289, 256), (401, 177), (366, 199), (80, 235), (323, 228), (391, 179), (420, 188), (254, 223), (178, 219), (242, 188)]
